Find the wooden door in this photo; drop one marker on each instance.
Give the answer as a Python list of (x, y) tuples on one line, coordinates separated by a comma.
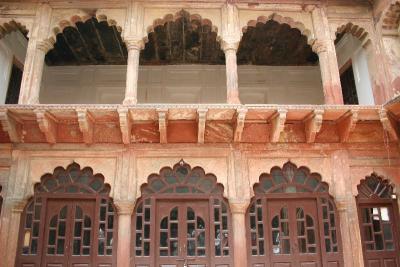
[(293, 233), (68, 233), (183, 234), (378, 233)]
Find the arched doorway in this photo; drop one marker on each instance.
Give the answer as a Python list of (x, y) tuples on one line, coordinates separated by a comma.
[(181, 220), (70, 221), (378, 215), (292, 220)]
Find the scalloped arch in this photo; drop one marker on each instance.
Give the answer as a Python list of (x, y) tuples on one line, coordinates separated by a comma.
[(391, 17), (182, 179), (353, 29), (290, 179), (375, 187), (282, 20), (12, 26), (174, 17), (73, 180)]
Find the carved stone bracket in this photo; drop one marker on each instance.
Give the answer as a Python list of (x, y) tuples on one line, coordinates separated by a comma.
[(162, 124), (312, 125), (10, 126), (240, 118), (47, 124), (134, 44), (124, 207), (320, 46), (86, 125), (45, 45), (389, 124), (346, 124), (278, 124), (201, 119), (125, 124), (239, 207)]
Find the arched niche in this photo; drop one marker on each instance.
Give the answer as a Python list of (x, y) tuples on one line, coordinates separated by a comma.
[(186, 197), (70, 218), (378, 215), (292, 219)]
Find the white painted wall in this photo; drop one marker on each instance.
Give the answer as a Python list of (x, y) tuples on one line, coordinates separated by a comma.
[(12, 45), (182, 84), (349, 48)]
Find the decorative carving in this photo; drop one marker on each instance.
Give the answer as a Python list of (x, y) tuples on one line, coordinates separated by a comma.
[(47, 124), (375, 187), (355, 30), (346, 124), (9, 125), (390, 125), (240, 118), (312, 124), (45, 45), (86, 124), (201, 119), (162, 125), (125, 124), (320, 45), (134, 44), (278, 124), (124, 207)]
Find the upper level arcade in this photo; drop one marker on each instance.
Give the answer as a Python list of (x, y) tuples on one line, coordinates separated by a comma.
[(207, 67)]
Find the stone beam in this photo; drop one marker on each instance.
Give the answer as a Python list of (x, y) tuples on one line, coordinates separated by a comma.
[(312, 124), (86, 125), (346, 124), (125, 124), (162, 125), (9, 125), (201, 119), (389, 124), (278, 124), (47, 124), (240, 118)]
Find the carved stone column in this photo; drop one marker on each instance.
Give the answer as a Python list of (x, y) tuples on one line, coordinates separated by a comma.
[(10, 231), (124, 210), (238, 210), (232, 85), (132, 72), (325, 48)]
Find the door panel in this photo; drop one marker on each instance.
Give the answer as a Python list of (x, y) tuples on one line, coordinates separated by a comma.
[(183, 235), (293, 233)]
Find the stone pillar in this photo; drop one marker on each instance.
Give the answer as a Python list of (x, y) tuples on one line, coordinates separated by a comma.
[(232, 85), (39, 44), (238, 210), (124, 210), (325, 48), (10, 232), (132, 73)]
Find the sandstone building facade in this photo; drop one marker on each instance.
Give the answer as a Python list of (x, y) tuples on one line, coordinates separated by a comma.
[(199, 133)]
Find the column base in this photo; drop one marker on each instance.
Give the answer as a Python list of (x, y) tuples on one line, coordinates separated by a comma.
[(129, 101)]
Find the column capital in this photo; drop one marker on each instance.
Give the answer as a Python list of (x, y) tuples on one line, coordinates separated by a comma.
[(229, 45), (17, 205), (45, 45), (239, 207), (124, 207), (320, 45), (134, 43)]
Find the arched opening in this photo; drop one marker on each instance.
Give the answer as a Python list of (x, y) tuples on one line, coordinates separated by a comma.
[(353, 57), (182, 219), (276, 64), (182, 62), (292, 220), (87, 64), (69, 221), (378, 215), (13, 46)]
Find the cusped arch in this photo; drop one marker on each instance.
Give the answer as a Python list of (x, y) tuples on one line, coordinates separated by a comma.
[(375, 186), (290, 179), (356, 30), (182, 179), (391, 17), (282, 20), (12, 26), (72, 180)]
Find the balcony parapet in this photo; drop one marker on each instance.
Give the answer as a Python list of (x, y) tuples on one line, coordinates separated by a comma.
[(198, 123)]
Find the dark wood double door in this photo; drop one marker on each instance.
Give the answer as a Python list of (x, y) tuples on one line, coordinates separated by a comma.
[(183, 234), (68, 233), (293, 233)]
